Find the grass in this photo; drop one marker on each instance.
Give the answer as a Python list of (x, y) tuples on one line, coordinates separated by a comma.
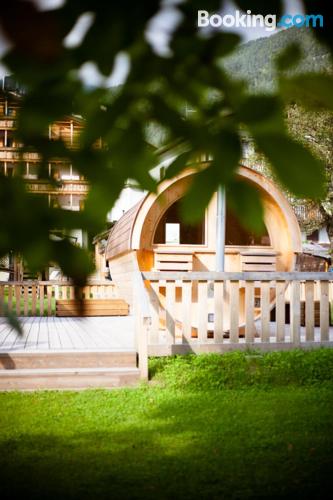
[(237, 426)]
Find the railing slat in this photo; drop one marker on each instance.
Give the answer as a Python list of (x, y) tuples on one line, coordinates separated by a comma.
[(155, 314), (33, 300), (2, 296), (234, 311), (309, 311), (186, 308), (324, 311), (295, 312), (49, 300), (218, 311), (170, 311), (265, 311), (249, 311), (202, 310), (41, 300), (10, 298), (26, 301), (18, 299), (280, 310)]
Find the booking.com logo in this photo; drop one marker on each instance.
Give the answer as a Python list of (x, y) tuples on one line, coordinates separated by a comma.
[(248, 20)]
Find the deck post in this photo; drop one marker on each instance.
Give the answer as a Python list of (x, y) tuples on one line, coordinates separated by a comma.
[(220, 228)]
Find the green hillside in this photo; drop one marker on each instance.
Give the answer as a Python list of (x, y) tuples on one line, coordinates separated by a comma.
[(254, 61)]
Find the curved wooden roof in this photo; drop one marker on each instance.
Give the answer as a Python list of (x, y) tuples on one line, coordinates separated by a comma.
[(126, 233), (119, 240)]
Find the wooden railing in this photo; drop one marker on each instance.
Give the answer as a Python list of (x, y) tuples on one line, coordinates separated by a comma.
[(37, 298), (209, 311)]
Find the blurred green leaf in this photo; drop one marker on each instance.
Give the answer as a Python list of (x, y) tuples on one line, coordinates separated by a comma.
[(186, 92), (194, 203), (313, 90), (295, 166), (262, 113), (324, 34), (289, 57), (177, 165), (244, 200)]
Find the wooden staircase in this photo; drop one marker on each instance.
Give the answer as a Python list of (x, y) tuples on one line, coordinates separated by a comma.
[(68, 370)]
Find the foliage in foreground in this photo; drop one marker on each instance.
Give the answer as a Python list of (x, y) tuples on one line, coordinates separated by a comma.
[(158, 87), (244, 369)]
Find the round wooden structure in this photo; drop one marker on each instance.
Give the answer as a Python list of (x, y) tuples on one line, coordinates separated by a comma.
[(140, 239)]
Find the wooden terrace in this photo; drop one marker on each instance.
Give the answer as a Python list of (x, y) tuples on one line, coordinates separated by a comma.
[(50, 333), (173, 313)]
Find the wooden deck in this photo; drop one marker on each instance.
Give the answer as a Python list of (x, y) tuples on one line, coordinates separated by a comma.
[(68, 334), (68, 353)]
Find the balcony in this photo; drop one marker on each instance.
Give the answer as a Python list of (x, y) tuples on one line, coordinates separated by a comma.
[(67, 187), (5, 124), (15, 155)]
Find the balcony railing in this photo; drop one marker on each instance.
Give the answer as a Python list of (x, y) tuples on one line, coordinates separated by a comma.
[(38, 298), (209, 311)]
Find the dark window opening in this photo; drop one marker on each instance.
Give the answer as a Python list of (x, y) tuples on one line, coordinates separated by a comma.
[(11, 111), (11, 141), (237, 235), (314, 237), (15, 169), (172, 230)]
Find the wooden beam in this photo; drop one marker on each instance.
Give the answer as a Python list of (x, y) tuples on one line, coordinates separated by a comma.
[(251, 276)]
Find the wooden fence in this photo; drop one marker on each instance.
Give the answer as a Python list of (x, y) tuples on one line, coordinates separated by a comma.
[(37, 298), (209, 311)]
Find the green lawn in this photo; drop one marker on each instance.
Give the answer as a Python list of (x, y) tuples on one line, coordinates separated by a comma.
[(203, 428)]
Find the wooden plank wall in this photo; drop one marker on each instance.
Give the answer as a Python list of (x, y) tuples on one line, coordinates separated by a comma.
[(122, 269)]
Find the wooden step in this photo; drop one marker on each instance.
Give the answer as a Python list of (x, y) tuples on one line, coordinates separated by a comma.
[(69, 378), (68, 359)]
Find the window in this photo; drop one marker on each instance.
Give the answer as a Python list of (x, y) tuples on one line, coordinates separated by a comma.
[(33, 170), (10, 139), (171, 229), (15, 168), (11, 112), (237, 235), (314, 237)]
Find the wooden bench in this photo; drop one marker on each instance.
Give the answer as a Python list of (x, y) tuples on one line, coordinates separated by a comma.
[(91, 307), (254, 261), (173, 261)]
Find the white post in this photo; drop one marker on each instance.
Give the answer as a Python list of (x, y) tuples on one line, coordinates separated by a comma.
[(220, 228)]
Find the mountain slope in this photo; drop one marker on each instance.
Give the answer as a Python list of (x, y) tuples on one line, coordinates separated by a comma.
[(254, 61)]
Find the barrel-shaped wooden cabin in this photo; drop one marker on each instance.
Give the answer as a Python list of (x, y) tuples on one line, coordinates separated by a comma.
[(151, 236)]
